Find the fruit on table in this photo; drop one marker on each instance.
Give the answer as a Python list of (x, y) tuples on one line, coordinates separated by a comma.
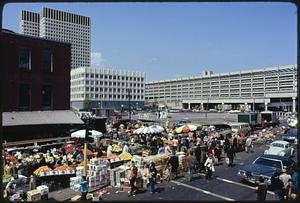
[(116, 148), (63, 168), (112, 156), (125, 156), (42, 169)]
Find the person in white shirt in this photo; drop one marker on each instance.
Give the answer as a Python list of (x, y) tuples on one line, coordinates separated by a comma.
[(15, 182), (125, 148), (248, 145), (168, 149), (285, 177), (109, 150), (209, 164)]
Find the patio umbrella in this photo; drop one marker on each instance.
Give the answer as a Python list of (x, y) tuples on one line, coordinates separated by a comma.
[(81, 134), (69, 148), (159, 128), (186, 128), (146, 130)]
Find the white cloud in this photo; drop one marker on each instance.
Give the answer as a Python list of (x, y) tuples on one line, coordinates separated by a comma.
[(96, 59), (154, 60)]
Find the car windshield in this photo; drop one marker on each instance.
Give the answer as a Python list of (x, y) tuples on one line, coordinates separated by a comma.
[(278, 145), (268, 162)]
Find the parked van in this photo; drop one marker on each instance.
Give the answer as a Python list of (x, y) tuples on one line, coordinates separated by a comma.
[(240, 128)]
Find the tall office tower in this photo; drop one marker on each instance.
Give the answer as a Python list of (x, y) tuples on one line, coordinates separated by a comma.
[(66, 27), (30, 23)]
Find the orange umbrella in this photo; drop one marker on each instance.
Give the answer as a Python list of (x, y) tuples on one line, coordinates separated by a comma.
[(186, 129), (88, 152)]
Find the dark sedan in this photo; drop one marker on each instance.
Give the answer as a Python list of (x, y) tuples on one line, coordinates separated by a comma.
[(265, 166), (290, 135)]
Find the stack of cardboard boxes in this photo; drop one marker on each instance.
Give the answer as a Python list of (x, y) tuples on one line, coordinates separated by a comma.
[(98, 173)]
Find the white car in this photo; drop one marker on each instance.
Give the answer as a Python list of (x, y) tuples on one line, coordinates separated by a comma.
[(281, 148)]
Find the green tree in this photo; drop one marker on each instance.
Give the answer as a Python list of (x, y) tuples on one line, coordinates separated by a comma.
[(87, 104)]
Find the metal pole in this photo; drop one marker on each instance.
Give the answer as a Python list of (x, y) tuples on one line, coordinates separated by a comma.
[(85, 159), (129, 104), (85, 148)]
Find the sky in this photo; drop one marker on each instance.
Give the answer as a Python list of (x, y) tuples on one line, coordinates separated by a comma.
[(171, 40)]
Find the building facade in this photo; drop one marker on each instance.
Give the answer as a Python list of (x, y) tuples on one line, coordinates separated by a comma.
[(34, 71), (107, 88), (30, 23), (272, 88), (61, 26)]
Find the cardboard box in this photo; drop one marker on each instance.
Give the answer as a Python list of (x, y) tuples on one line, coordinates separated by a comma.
[(89, 196), (126, 189), (76, 198), (33, 195), (43, 189)]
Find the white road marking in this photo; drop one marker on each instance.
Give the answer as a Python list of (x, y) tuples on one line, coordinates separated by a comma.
[(240, 184), (203, 191)]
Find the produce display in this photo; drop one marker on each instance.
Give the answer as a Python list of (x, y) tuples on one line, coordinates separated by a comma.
[(63, 168), (112, 156), (42, 169), (116, 148), (126, 156), (6, 178), (146, 152)]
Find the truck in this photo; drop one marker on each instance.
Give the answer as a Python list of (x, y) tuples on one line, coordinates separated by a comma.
[(268, 118), (250, 118)]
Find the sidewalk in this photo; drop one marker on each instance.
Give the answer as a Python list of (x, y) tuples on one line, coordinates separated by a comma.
[(67, 193)]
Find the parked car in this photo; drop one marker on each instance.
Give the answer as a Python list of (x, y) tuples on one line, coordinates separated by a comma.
[(182, 122), (290, 135), (280, 148), (265, 166)]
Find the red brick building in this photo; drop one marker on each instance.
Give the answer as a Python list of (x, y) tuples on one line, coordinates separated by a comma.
[(34, 73)]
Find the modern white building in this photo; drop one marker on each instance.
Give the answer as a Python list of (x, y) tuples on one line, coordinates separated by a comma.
[(272, 88), (107, 88), (61, 26)]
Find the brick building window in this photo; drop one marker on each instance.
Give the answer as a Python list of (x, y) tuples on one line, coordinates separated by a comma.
[(25, 59), (47, 97), (47, 62), (24, 97)]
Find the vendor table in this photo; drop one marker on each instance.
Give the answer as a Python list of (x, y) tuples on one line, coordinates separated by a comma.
[(116, 164), (62, 179)]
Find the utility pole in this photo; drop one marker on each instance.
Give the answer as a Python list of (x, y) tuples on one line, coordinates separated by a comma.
[(128, 90), (207, 108), (87, 133)]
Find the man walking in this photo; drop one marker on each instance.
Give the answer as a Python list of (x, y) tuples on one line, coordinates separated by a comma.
[(132, 178), (261, 190), (277, 186), (174, 162), (230, 155), (192, 165)]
